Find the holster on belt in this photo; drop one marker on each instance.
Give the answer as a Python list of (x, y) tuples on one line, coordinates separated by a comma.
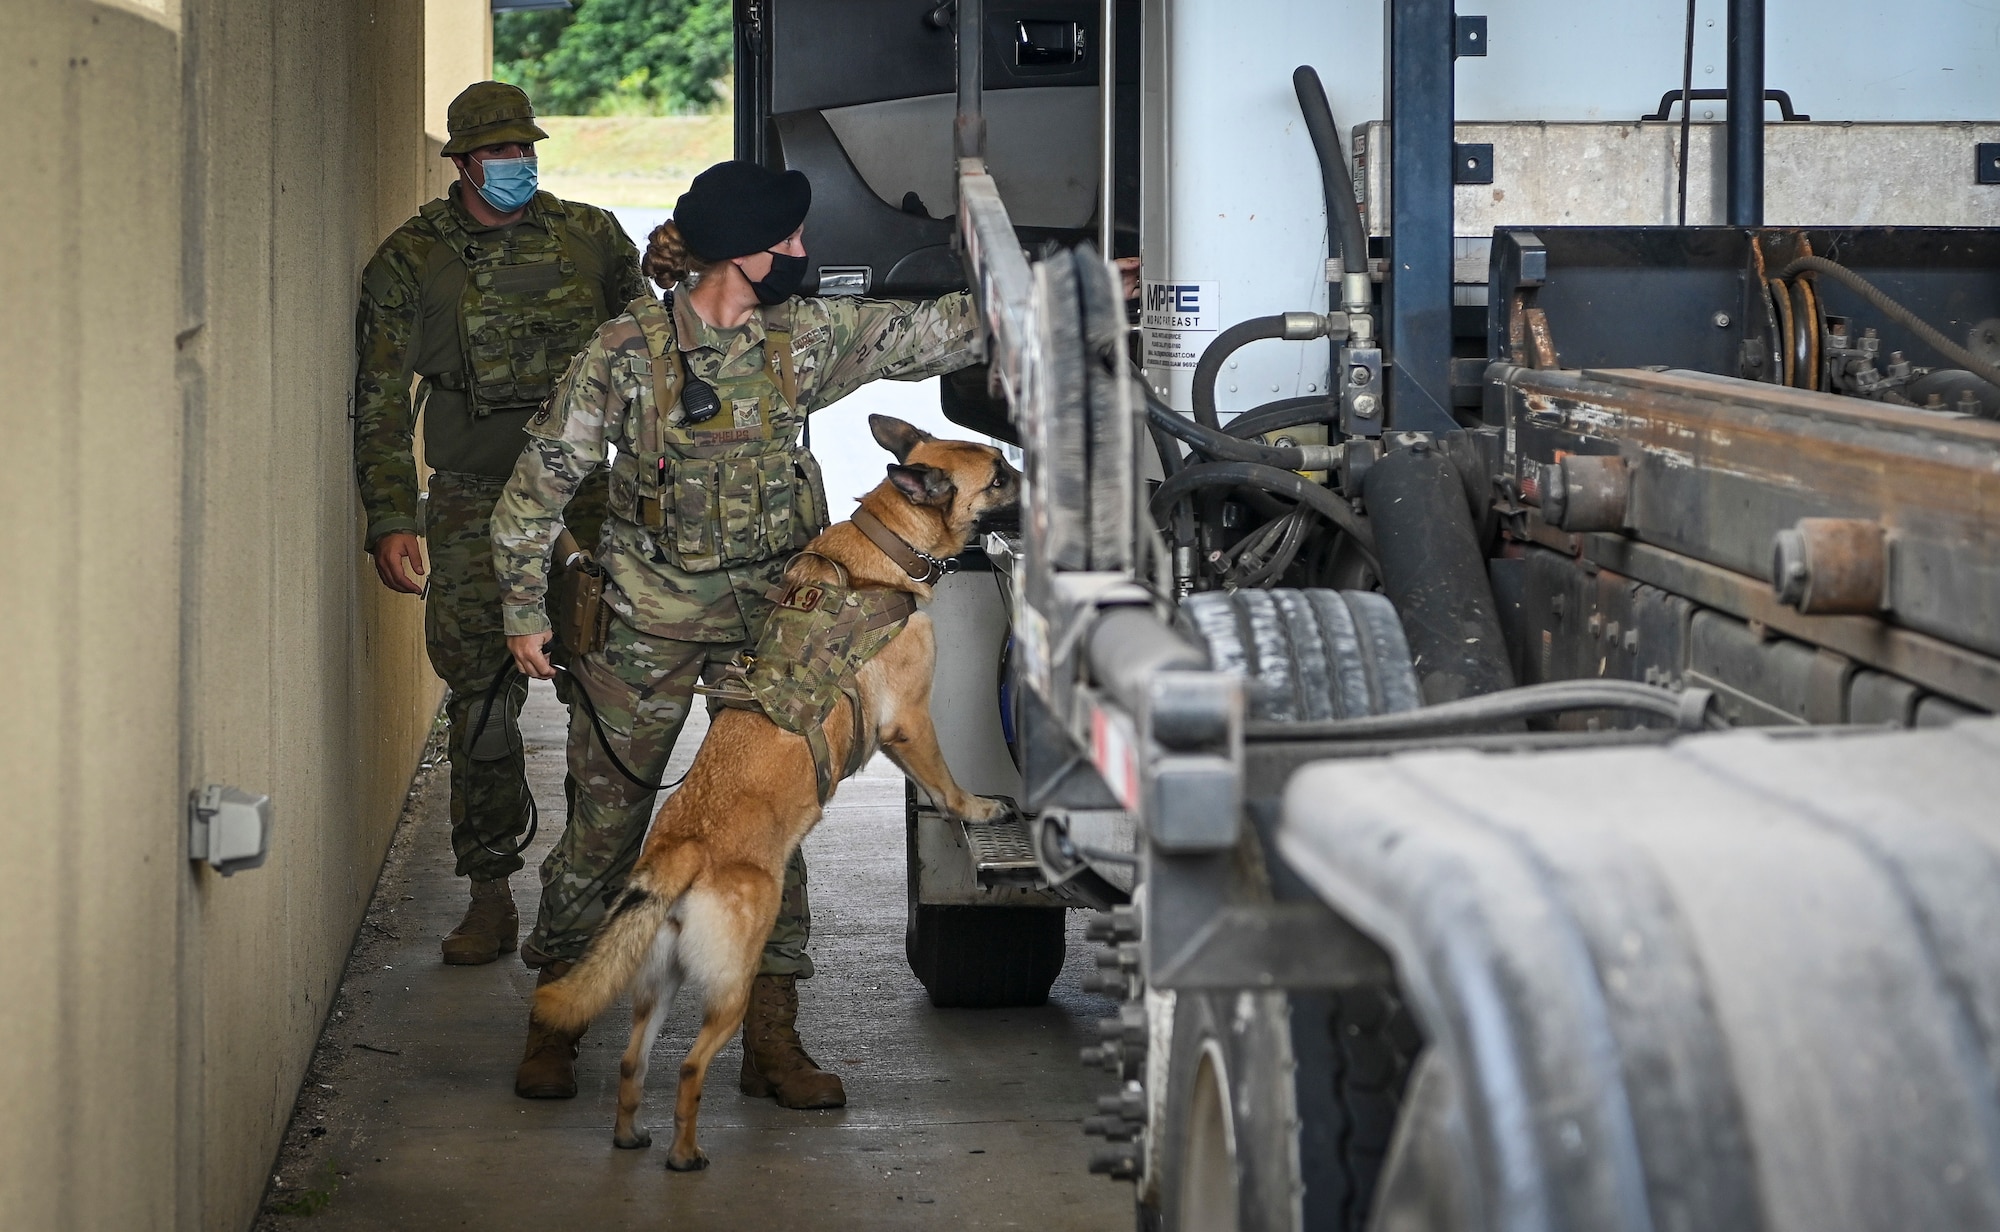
[(577, 611)]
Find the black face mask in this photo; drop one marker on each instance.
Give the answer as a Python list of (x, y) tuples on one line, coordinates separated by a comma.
[(787, 272)]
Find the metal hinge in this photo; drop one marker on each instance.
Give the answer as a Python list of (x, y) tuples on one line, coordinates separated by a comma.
[(1468, 37)]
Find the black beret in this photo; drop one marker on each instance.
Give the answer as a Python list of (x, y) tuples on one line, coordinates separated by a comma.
[(738, 208)]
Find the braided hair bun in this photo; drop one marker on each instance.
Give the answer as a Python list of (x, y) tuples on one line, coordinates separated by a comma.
[(668, 260)]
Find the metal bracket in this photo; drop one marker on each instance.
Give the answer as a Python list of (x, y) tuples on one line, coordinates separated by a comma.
[(1275, 945), (1468, 37), (1986, 162), (1472, 162)]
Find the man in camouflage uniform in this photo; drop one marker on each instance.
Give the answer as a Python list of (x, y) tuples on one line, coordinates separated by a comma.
[(483, 297), (711, 495)]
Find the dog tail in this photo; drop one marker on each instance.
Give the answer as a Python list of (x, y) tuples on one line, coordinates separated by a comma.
[(620, 946)]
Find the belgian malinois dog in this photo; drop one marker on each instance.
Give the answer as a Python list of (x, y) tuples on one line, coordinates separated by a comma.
[(705, 891)]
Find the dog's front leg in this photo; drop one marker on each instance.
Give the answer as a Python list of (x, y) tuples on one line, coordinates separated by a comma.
[(898, 685), (912, 744)]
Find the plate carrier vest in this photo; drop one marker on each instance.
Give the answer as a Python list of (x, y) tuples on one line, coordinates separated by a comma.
[(734, 493), (524, 310)]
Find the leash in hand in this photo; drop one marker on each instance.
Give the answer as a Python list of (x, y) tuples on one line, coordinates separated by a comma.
[(500, 681)]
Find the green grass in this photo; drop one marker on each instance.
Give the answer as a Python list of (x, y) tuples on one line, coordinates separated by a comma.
[(313, 1199), (630, 160)]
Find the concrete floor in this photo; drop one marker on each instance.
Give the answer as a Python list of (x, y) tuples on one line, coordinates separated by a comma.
[(955, 1118)]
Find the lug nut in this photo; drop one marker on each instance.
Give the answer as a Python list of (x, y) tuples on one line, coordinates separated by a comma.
[(1120, 1163), (1117, 957), (1113, 984), (1111, 1128), (1117, 924), (1129, 1026)]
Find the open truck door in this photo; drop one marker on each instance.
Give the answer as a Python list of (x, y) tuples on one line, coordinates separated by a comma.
[(860, 95)]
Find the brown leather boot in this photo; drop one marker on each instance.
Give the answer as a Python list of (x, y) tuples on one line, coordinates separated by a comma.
[(491, 926), (548, 1065), (774, 1061)]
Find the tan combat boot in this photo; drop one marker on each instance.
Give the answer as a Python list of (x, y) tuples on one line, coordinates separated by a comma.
[(490, 927), (548, 1065), (774, 1061)]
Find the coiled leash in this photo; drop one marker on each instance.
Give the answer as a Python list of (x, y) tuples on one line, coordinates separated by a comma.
[(505, 677)]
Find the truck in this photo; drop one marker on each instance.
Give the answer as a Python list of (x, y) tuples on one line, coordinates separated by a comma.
[(1502, 633)]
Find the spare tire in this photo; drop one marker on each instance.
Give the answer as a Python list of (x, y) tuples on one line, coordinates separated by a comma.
[(1308, 655)]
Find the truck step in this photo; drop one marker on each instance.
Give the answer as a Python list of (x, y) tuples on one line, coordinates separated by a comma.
[(1002, 851)]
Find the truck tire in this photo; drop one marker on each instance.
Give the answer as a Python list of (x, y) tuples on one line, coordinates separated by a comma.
[(1755, 993), (1374, 1042), (985, 957), (1312, 1081), (1280, 1109), (972, 957), (1227, 1156)]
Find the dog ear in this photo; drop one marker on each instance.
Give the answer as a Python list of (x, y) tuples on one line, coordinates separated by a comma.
[(896, 436), (923, 485)]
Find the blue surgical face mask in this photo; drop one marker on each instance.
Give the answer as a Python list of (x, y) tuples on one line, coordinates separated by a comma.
[(510, 182)]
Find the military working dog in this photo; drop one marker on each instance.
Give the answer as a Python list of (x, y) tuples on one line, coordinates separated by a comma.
[(705, 890)]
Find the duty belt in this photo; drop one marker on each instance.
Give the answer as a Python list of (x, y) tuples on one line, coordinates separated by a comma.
[(808, 658)]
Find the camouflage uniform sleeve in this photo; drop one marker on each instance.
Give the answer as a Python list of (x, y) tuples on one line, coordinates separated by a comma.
[(566, 442), (385, 343), (861, 340)]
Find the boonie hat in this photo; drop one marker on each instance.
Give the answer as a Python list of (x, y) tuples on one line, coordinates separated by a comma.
[(490, 113), (737, 208)]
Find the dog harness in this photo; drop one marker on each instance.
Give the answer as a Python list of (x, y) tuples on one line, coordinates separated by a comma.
[(808, 658)]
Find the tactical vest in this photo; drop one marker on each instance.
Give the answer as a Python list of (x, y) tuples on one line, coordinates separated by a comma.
[(812, 648), (524, 310), (731, 491)]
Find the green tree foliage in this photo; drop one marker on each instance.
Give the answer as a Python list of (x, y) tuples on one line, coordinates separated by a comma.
[(607, 57)]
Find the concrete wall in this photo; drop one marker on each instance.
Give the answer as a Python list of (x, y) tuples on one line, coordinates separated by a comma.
[(458, 50), (192, 188)]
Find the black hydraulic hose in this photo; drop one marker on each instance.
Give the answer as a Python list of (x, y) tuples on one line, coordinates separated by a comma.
[(1227, 343), (1169, 451), (1292, 538), (1284, 413), (1691, 710), (1344, 232), (1270, 479), (1219, 444), (1434, 569), (1896, 312)]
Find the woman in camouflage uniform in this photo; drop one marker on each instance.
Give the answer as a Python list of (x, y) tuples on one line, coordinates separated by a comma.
[(703, 397)]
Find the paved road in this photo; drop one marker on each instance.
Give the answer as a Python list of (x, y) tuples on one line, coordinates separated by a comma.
[(955, 1119)]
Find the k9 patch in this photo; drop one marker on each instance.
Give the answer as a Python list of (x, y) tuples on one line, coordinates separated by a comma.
[(803, 597)]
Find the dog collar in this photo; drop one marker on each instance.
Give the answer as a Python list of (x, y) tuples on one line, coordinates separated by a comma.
[(920, 565)]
